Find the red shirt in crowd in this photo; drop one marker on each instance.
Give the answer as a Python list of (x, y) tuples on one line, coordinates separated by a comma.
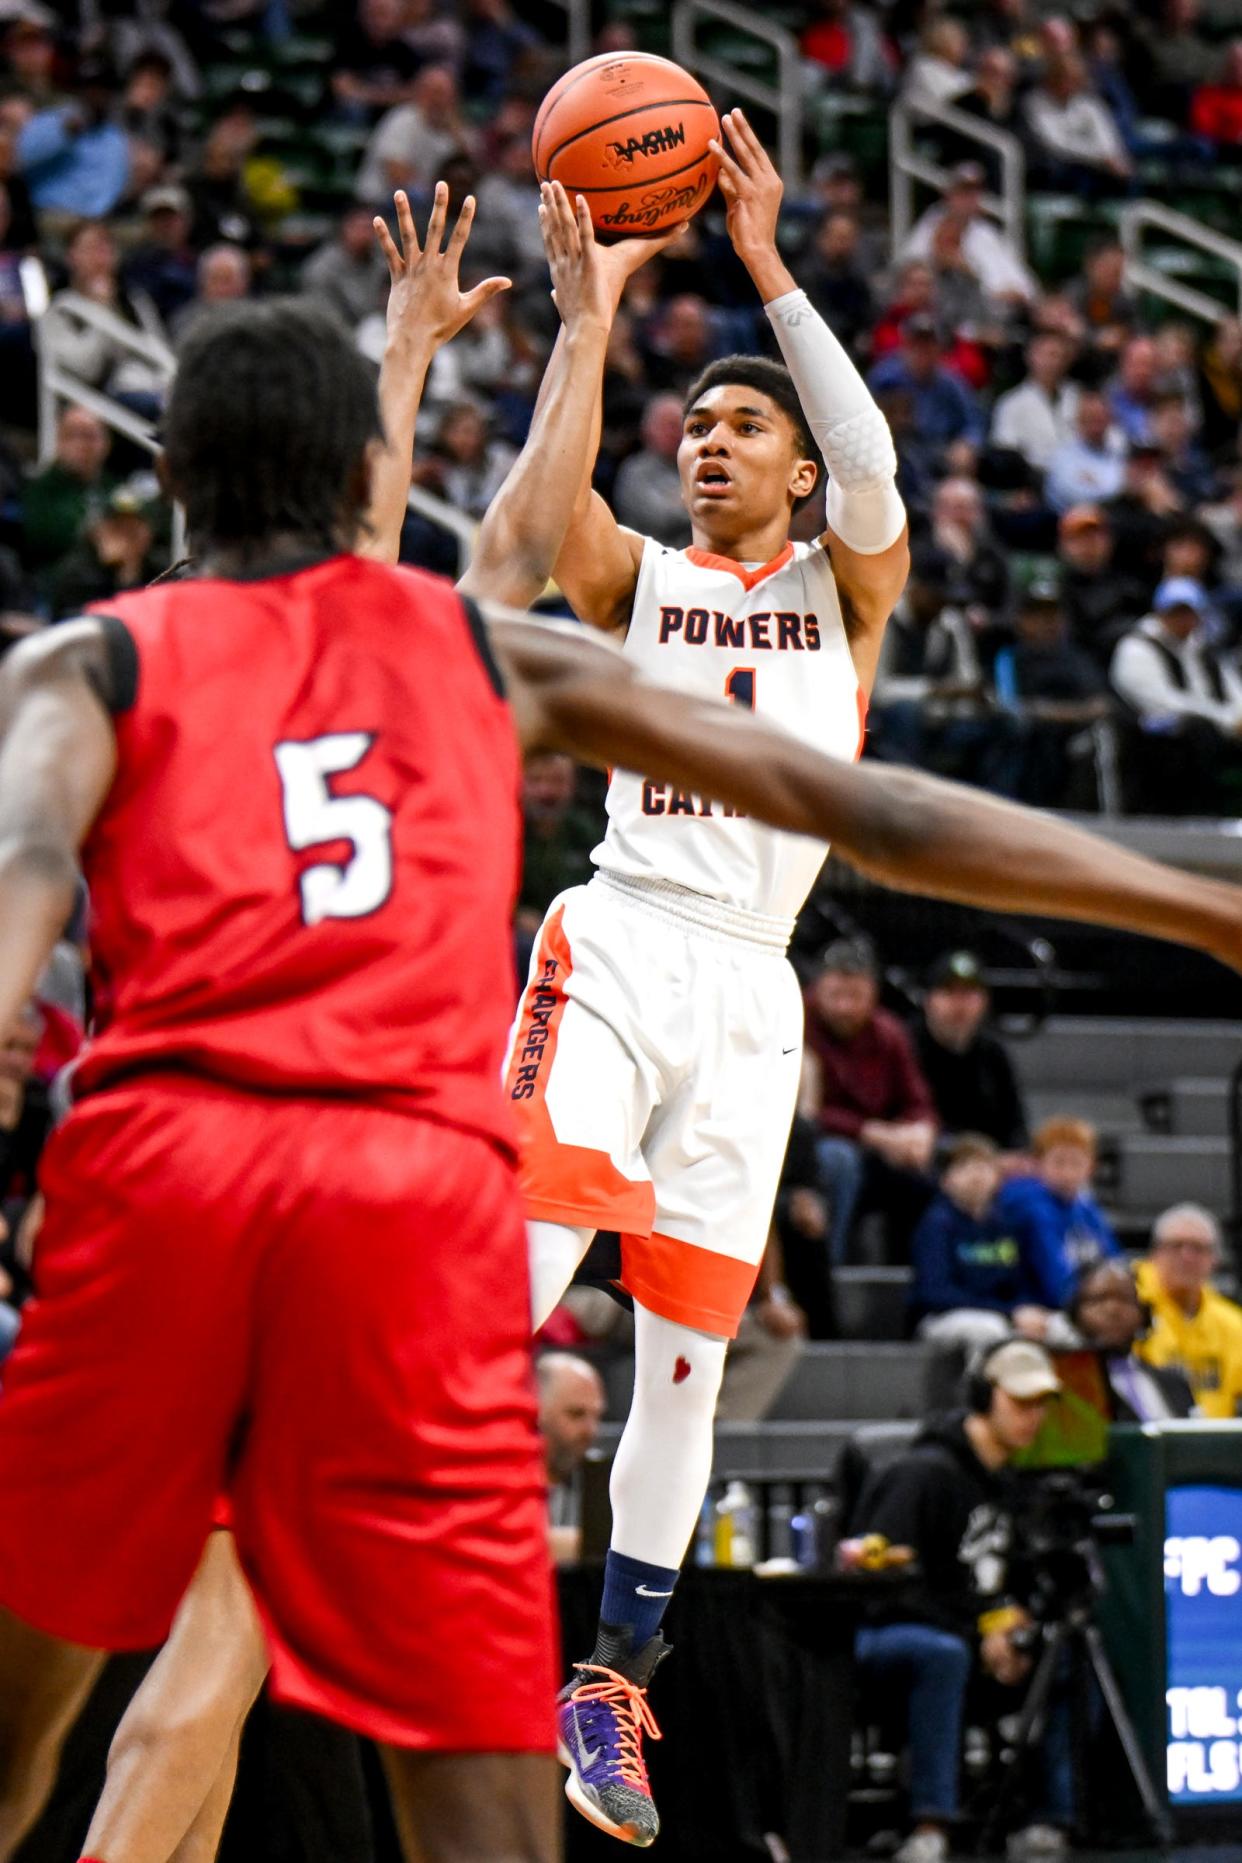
[(874, 1075)]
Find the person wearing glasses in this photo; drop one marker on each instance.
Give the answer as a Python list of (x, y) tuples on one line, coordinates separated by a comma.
[(1193, 1326)]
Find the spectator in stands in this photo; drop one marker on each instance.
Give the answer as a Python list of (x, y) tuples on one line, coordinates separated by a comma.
[(990, 254), (1056, 690), (930, 705), (1224, 521), (1058, 1224), (559, 835), (93, 355), (498, 44), (224, 274), (572, 1404), (1036, 417), (147, 114), (647, 493), (845, 40), (836, 187), (1135, 390), (1187, 698), (961, 533), (1107, 309), (948, 1498), (1078, 147), (993, 98), (75, 156), (1100, 596), (347, 272), (1193, 1327), (30, 55), (473, 464), (116, 552), (835, 280), (1142, 511), (375, 66), (1176, 57), (803, 1225), (939, 72), (944, 408), (680, 343), (56, 501), (1185, 464), (412, 142), (967, 1267), (1220, 387), (508, 197), (163, 266), (769, 1343), (223, 208), (863, 1088), (973, 1085), (1108, 1314), (1087, 465)]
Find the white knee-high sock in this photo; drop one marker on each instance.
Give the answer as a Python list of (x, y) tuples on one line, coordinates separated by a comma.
[(664, 1458), (555, 1251)]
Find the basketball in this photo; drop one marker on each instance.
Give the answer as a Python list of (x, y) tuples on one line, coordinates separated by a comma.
[(629, 132)]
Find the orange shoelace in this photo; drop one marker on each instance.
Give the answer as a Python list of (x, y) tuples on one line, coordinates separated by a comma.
[(633, 1714)]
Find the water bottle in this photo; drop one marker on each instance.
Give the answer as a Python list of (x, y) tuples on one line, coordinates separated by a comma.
[(780, 1523), (705, 1533), (735, 1526)]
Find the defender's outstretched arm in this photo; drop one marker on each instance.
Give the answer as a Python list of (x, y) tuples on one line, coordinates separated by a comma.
[(574, 693)]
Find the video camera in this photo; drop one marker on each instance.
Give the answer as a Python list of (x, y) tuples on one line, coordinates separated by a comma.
[(1064, 1520)]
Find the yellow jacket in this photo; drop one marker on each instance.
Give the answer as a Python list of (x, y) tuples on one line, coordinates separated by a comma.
[(1207, 1346)]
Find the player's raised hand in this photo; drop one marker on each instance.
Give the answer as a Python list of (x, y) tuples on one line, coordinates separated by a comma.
[(587, 278), (426, 305), (751, 187)]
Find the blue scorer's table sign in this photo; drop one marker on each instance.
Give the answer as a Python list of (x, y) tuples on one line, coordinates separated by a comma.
[(1203, 1625)]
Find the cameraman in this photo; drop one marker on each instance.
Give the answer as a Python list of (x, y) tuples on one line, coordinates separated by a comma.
[(951, 1499)]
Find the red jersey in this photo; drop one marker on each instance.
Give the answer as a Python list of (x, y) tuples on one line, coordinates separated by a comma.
[(303, 876)]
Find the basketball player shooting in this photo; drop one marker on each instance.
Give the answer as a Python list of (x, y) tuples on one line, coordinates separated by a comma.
[(655, 1065)]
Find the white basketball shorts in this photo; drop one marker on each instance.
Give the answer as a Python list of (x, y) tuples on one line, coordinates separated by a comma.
[(654, 1071)]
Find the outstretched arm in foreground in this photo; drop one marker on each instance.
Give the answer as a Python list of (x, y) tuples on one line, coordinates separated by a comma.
[(426, 308), (525, 527), (903, 829)]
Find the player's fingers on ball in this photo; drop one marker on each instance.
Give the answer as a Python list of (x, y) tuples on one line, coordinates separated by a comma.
[(386, 246)]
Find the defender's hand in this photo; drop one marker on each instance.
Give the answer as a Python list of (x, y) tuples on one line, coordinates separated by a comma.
[(587, 278), (426, 305), (751, 187)]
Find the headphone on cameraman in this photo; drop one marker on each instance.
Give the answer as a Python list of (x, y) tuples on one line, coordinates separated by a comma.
[(977, 1387)]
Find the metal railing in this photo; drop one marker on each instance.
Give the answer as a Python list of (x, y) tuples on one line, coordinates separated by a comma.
[(1139, 216), (577, 29), (59, 385), (908, 164), (465, 530), (783, 99)]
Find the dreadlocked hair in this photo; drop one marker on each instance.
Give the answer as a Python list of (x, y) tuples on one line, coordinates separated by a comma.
[(771, 379), (269, 418)]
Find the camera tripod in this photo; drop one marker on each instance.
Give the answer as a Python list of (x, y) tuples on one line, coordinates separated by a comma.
[(1074, 1637)]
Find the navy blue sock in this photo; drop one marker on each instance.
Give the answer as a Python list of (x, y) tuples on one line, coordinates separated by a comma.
[(636, 1596)]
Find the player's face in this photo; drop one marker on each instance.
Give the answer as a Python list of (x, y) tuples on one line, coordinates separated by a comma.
[(739, 462)]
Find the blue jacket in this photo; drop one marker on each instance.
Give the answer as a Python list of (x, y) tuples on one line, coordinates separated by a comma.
[(86, 173), (959, 1262), (1057, 1239), (945, 409)]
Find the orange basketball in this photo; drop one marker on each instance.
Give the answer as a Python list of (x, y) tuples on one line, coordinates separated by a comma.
[(629, 132)]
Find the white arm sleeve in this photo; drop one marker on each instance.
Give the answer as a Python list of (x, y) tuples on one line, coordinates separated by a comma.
[(863, 506)]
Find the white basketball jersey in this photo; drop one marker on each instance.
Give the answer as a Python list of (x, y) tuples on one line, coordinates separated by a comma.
[(771, 639)]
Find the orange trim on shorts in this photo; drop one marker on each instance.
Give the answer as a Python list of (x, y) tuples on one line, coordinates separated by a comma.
[(862, 723), (749, 578), (680, 1281), (561, 1183)]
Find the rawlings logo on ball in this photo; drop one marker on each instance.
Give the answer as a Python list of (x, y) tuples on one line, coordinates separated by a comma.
[(656, 204), (655, 142)]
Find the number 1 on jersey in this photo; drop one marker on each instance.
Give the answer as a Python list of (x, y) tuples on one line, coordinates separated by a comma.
[(740, 687), (314, 816)]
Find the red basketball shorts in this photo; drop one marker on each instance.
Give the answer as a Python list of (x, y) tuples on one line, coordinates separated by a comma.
[(322, 1310)]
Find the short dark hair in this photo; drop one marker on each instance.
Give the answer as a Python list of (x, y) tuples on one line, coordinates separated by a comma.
[(771, 379), (267, 425)]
